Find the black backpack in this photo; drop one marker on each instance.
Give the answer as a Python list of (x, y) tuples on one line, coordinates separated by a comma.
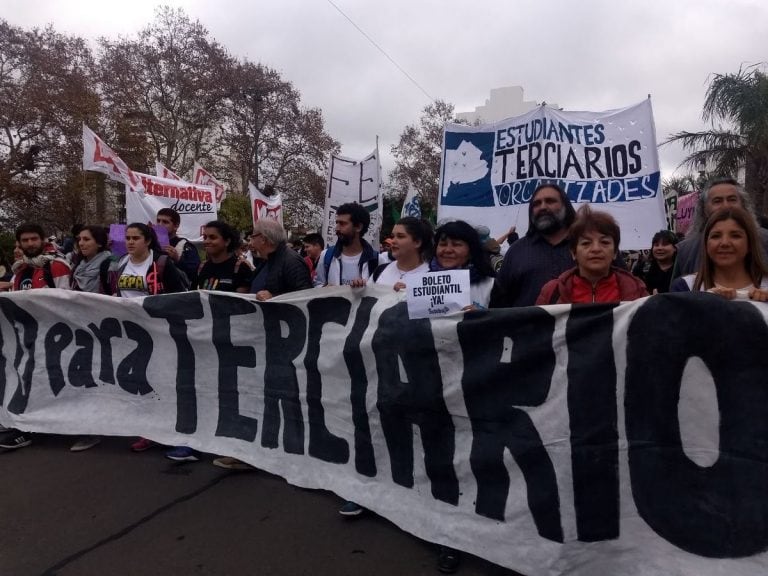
[(160, 264)]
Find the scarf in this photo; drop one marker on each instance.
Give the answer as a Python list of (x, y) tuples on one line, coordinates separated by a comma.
[(86, 275), (36, 262), (474, 275)]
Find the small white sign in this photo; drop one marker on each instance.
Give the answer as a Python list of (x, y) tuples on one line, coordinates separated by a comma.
[(437, 293)]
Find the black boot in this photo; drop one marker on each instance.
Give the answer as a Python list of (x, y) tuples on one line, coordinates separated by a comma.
[(448, 560)]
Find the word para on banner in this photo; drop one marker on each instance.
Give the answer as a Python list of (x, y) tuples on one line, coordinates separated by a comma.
[(509, 362)]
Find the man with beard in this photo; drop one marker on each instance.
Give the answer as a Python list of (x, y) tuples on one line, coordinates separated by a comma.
[(543, 253), (40, 267), (352, 257)]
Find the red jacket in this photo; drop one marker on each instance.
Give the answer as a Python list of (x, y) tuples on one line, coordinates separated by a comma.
[(54, 275), (570, 288)]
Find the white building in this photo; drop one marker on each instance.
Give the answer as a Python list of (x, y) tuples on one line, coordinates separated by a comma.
[(504, 103)]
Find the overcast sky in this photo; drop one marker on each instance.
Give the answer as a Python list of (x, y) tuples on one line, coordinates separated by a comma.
[(587, 55)]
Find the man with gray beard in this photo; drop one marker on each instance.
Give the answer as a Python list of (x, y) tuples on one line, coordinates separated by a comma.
[(543, 254)]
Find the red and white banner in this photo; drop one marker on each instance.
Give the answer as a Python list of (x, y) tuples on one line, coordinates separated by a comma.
[(201, 176), (195, 203), (98, 157), (163, 172), (262, 206)]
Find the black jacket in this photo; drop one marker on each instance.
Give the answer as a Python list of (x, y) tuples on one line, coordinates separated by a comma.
[(287, 272)]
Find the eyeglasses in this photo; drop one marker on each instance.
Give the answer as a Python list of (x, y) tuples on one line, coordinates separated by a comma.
[(256, 235)]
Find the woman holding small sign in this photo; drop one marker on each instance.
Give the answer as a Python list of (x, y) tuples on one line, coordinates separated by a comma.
[(457, 247), (732, 264), (594, 242)]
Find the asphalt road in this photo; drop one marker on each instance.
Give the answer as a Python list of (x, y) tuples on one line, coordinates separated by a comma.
[(110, 512)]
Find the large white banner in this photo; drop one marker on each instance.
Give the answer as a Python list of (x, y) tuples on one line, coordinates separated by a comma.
[(629, 440), (608, 159), (195, 204), (353, 181), (262, 206)]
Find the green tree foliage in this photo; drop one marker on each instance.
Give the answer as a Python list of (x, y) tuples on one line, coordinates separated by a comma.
[(236, 210), (736, 106), (417, 154)]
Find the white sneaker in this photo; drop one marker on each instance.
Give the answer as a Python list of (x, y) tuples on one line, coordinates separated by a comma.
[(85, 443)]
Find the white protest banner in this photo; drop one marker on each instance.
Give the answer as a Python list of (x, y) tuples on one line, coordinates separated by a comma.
[(201, 176), (433, 294), (670, 207), (623, 440), (608, 159), (353, 181), (194, 203), (262, 206), (412, 204), (161, 171), (686, 206), (98, 157)]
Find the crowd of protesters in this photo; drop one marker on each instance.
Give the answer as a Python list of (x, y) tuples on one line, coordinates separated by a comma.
[(565, 257)]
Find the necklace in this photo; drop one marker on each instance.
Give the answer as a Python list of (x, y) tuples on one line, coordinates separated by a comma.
[(403, 273)]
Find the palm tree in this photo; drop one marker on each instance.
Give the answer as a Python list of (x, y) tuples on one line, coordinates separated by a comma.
[(680, 184), (741, 101)]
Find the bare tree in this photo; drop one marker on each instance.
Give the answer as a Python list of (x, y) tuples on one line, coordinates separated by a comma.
[(46, 92), (169, 83), (417, 154), (270, 140)]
